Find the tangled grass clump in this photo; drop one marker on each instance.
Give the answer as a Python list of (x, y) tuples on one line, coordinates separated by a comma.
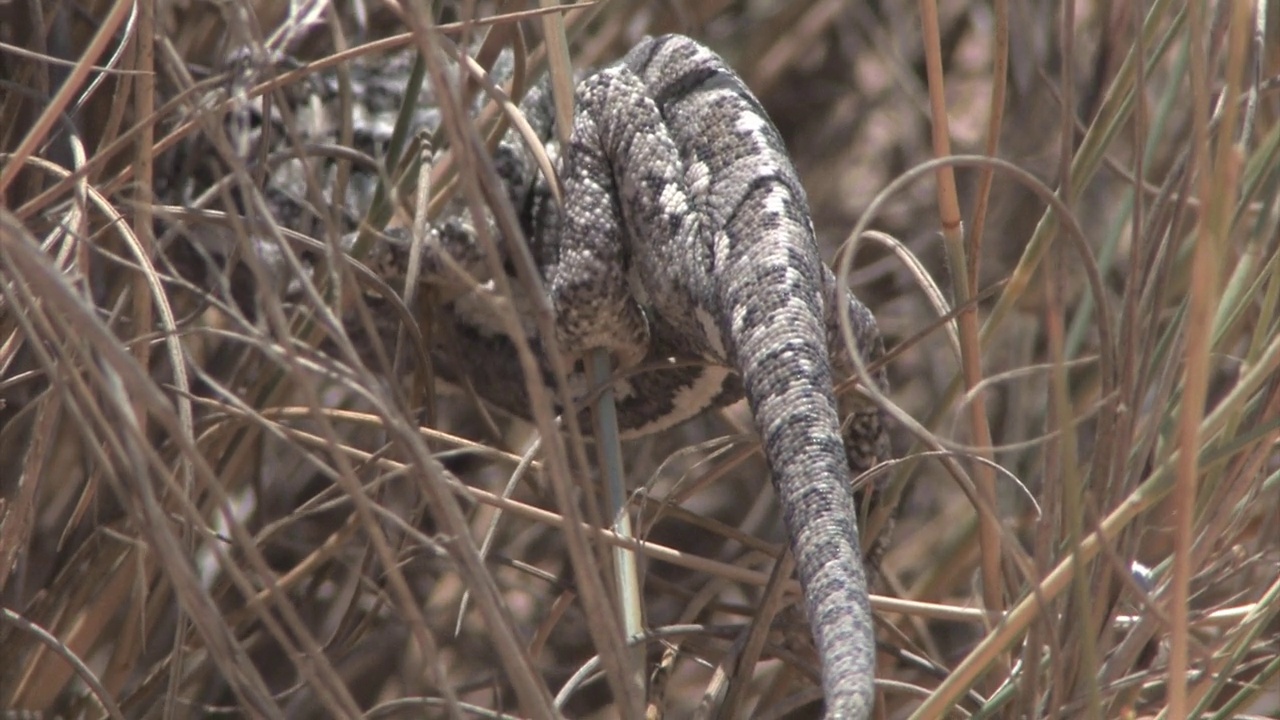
[(217, 499)]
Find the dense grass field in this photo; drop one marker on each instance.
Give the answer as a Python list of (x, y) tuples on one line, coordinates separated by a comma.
[(217, 501)]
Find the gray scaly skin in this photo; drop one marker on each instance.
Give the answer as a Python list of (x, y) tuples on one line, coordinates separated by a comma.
[(685, 233)]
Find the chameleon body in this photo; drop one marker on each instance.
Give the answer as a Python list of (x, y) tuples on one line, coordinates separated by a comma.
[(685, 233)]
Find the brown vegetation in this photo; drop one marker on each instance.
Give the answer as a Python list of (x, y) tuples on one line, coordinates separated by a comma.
[(213, 506)]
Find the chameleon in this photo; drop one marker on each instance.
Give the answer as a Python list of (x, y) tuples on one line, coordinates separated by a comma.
[(684, 233)]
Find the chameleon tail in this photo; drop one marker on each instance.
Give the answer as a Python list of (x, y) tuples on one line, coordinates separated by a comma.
[(788, 383)]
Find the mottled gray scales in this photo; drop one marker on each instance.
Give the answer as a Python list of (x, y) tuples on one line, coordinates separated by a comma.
[(685, 235)]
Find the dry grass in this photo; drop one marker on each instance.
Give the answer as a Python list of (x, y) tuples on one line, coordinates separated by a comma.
[(211, 504)]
